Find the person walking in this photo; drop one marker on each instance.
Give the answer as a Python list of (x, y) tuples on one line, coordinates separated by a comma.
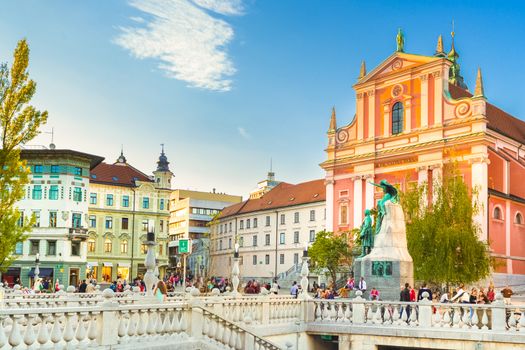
[(294, 290), (405, 297)]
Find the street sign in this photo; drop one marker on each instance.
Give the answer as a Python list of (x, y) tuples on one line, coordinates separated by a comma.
[(184, 246)]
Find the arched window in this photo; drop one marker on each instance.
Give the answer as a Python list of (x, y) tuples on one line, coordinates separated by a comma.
[(124, 247), (397, 118), (497, 213), (518, 219), (91, 245), (108, 245)]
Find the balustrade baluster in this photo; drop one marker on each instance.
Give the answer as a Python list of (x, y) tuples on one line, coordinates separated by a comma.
[(150, 329), (466, 318), (29, 335), (158, 323), (437, 318), (15, 338), (142, 324), (239, 341), (132, 329), (56, 331), (457, 317), (413, 317), (484, 320), (333, 312), (340, 314), (226, 335), (43, 332), (219, 330), (388, 315), (176, 322), (80, 333), (122, 324), (522, 322), (512, 320), (446, 318), (166, 325), (213, 325), (233, 337), (377, 315), (369, 314), (396, 315), (474, 319), (318, 313), (92, 330)]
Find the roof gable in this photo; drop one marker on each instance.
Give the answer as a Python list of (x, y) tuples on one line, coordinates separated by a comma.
[(397, 62), (118, 174)]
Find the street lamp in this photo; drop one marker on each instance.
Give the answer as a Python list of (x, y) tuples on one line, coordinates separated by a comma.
[(149, 261), (304, 273), (235, 271), (37, 268)]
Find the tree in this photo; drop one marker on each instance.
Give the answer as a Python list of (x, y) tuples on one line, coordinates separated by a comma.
[(442, 236), (330, 251), (19, 123)]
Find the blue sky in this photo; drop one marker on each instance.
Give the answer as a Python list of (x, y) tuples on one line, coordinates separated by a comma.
[(229, 84)]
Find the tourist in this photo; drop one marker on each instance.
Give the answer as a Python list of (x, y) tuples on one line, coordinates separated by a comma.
[(412, 294), (422, 290), (507, 293), (374, 294), (444, 298), (57, 286), (294, 290), (91, 287), (482, 297), (350, 283), (491, 295), (405, 297), (113, 286), (82, 287), (362, 285), (460, 296), (160, 291)]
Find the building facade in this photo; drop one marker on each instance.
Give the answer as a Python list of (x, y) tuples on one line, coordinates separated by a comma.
[(123, 201), (272, 230), (57, 196), (190, 215), (414, 114)]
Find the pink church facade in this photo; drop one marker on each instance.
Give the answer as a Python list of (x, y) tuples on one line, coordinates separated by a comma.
[(413, 114)]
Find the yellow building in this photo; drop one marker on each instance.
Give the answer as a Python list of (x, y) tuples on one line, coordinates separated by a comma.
[(122, 201)]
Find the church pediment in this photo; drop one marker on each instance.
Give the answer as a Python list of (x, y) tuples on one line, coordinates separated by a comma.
[(397, 62)]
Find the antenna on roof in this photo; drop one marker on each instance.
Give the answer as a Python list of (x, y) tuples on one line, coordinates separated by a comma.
[(52, 133), (271, 165)]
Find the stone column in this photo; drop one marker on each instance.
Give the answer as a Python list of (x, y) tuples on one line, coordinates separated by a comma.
[(360, 116), (358, 201), (479, 169), (369, 192), (371, 114), (386, 120), (329, 222), (438, 98), (424, 100), (408, 115)]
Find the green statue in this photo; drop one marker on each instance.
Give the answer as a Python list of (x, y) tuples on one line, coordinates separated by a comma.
[(390, 194), (367, 234), (400, 40)]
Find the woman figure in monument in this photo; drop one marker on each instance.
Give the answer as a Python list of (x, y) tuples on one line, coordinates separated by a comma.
[(160, 291), (390, 194)]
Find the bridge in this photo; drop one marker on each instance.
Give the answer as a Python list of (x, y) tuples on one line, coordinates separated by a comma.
[(132, 320)]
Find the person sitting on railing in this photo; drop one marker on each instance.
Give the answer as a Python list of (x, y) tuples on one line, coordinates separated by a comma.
[(160, 291), (507, 293), (374, 294)]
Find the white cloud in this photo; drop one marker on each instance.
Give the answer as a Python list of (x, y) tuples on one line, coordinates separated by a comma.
[(189, 43), (244, 134)]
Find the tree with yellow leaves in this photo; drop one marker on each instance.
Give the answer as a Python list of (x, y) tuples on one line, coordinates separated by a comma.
[(19, 124)]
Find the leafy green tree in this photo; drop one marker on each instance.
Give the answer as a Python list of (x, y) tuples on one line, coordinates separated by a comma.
[(442, 237), (19, 123), (331, 251)]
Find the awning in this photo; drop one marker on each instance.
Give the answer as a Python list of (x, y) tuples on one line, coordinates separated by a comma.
[(124, 264), (109, 264), (92, 263), (44, 272)]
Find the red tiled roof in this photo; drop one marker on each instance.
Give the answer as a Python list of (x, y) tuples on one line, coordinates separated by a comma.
[(120, 174), (498, 120), (282, 195)]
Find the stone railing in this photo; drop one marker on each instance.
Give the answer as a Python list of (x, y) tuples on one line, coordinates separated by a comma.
[(111, 324), (487, 317)]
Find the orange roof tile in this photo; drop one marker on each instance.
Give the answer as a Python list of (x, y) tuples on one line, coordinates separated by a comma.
[(498, 120), (282, 195), (119, 174)]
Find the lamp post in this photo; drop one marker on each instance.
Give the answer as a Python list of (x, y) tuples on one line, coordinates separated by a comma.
[(304, 273), (37, 268), (235, 271), (149, 261)]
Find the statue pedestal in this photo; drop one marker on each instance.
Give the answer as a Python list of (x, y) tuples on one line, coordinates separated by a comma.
[(389, 265)]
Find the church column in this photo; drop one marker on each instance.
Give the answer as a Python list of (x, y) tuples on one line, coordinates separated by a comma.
[(438, 98), (437, 175), (408, 115), (371, 114), (424, 100), (507, 235), (422, 178), (479, 169), (386, 120), (369, 192), (329, 222), (360, 116), (358, 201)]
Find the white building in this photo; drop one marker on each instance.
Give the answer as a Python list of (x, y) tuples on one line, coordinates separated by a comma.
[(272, 230), (57, 196)]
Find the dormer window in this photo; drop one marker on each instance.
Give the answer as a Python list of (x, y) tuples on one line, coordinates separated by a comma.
[(397, 118)]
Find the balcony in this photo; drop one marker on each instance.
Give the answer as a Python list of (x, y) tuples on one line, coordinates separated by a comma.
[(78, 233)]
